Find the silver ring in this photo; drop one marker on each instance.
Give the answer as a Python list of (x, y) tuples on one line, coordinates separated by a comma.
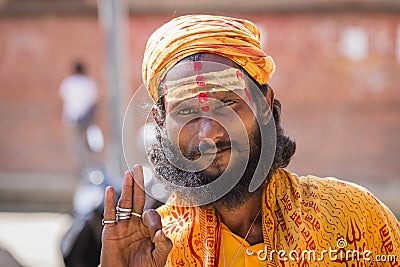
[(123, 217), (104, 221), (123, 214), (119, 209)]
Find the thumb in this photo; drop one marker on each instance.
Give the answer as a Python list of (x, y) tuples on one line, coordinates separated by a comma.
[(162, 247)]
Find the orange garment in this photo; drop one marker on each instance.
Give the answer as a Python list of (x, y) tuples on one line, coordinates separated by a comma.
[(236, 39), (298, 214), (233, 253)]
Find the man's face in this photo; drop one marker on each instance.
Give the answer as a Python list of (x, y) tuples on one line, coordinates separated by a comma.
[(213, 129), (212, 124), (210, 138)]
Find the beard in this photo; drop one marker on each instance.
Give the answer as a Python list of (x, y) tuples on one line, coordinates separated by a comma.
[(180, 181)]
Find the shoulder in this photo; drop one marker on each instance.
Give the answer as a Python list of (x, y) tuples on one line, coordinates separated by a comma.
[(330, 186), (330, 195), (336, 189), (347, 200)]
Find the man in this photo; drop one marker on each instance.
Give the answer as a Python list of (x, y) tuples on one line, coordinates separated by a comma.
[(79, 93), (233, 203)]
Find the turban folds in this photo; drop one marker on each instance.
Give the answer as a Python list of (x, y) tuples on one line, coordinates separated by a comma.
[(236, 39)]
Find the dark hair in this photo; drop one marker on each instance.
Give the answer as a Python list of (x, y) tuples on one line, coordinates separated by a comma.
[(79, 68), (285, 146)]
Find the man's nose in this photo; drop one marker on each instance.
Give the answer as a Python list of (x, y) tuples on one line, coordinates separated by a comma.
[(211, 129)]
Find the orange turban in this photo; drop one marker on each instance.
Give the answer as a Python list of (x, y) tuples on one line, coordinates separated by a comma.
[(236, 39)]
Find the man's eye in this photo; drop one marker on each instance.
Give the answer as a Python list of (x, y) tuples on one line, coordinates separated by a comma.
[(226, 103), (187, 111)]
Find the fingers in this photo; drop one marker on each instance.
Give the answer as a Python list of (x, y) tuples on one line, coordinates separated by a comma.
[(125, 200), (109, 208), (163, 244), (132, 196), (139, 197), (152, 220)]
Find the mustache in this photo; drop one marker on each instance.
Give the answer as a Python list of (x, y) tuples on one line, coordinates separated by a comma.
[(209, 147)]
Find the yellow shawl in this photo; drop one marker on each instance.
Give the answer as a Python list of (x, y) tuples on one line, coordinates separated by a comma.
[(298, 214)]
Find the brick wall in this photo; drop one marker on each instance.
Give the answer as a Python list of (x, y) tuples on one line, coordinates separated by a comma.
[(341, 106), (36, 54), (37, 168)]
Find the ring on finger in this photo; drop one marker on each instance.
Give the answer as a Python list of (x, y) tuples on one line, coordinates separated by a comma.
[(123, 214), (136, 214), (119, 209), (123, 217), (105, 221)]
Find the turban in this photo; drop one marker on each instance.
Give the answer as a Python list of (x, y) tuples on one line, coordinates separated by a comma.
[(236, 39)]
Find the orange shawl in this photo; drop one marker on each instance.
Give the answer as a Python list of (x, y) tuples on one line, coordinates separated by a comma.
[(298, 214)]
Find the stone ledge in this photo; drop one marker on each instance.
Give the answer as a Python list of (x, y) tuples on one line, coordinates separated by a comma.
[(36, 191)]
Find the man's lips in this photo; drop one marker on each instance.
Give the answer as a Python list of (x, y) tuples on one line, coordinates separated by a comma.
[(212, 152), (206, 148)]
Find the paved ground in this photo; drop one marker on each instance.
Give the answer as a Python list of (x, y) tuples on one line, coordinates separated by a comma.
[(33, 239), (36, 191)]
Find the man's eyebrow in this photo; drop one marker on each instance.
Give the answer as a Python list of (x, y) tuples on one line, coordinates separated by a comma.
[(183, 103)]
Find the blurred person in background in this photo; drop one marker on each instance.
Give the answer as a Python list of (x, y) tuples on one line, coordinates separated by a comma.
[(81, 244), (208, 78), (79, 93)]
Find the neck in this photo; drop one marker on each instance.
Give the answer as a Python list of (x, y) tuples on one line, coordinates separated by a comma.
[(240, 219)]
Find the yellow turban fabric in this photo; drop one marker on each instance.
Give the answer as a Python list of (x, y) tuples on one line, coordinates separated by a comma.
[(236, 39)]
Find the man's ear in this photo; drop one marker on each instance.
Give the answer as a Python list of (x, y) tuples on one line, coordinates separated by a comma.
[(158, 115)]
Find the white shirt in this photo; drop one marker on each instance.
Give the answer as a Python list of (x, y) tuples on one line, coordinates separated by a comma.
[(79, 94)]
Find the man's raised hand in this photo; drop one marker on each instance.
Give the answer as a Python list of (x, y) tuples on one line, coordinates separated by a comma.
[(128, 239)]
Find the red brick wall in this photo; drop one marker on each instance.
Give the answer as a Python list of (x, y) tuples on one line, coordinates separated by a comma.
[(36, 53), (344, 114)]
